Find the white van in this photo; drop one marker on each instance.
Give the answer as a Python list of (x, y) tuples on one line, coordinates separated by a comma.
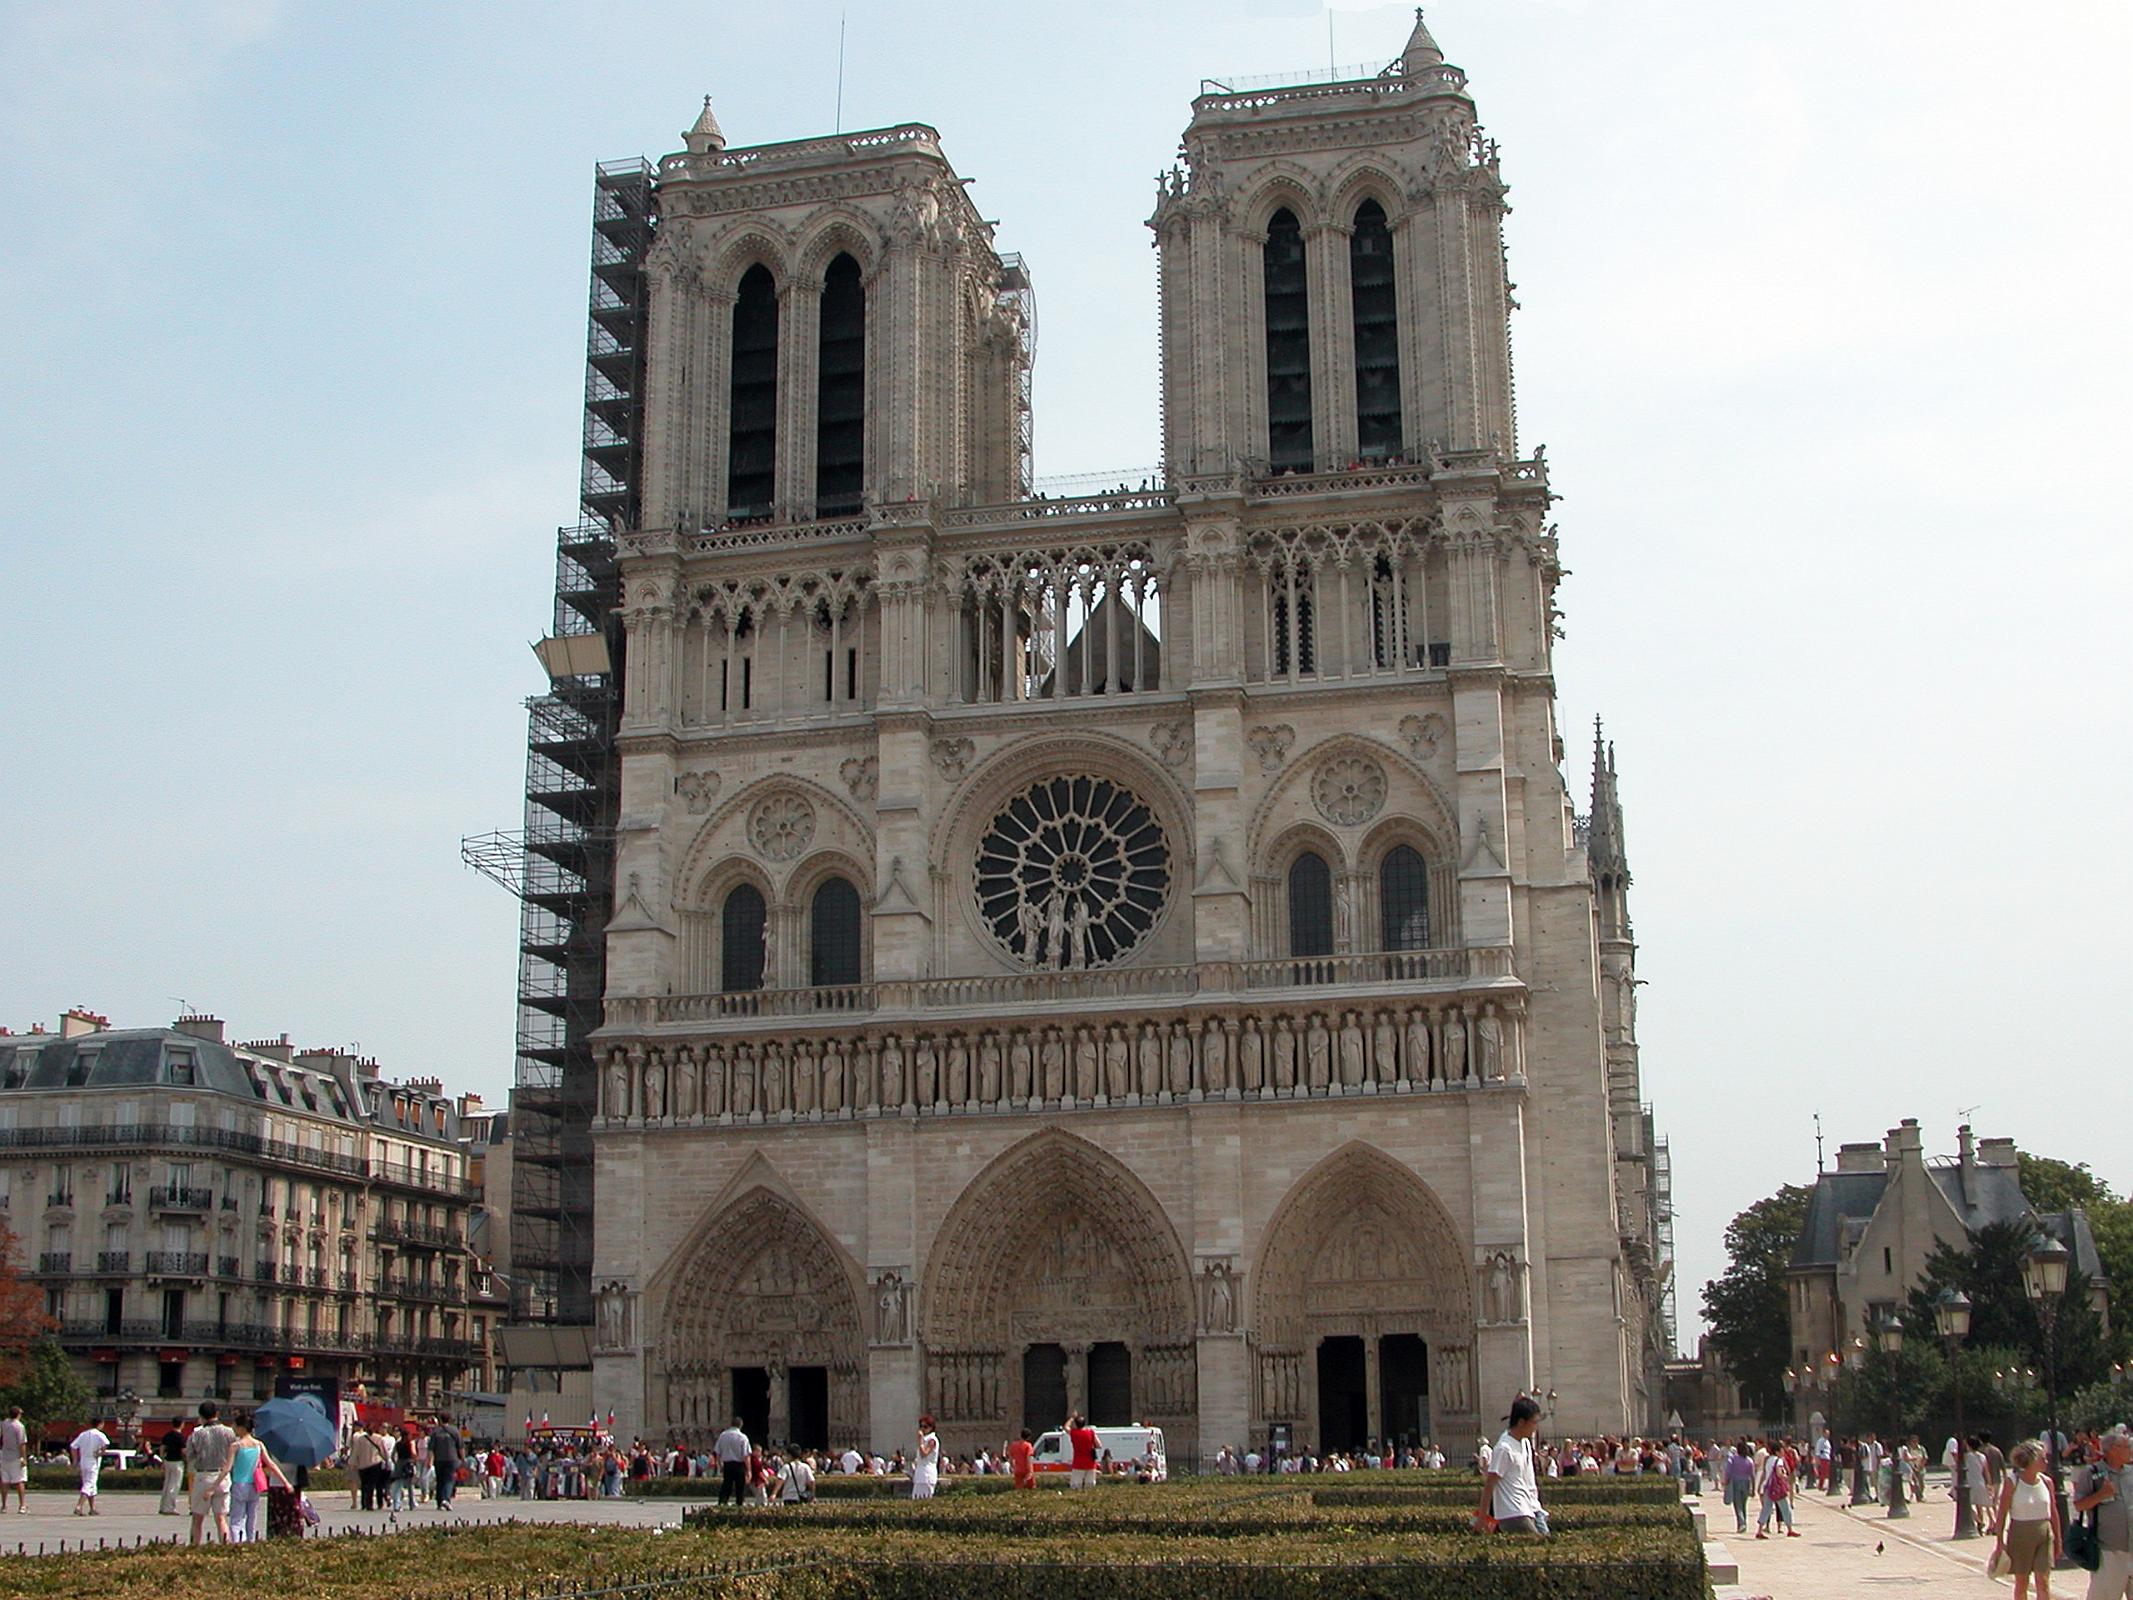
[(1123, 1450)]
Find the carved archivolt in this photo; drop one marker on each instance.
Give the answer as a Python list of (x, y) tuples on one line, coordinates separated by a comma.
[(1361, 1236), (1056, 1241)]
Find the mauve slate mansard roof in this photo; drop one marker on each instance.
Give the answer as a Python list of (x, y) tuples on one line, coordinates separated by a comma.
[(1842, 1203)]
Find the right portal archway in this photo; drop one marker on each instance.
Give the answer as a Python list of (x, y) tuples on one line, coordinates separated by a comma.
[(1364, 1311)]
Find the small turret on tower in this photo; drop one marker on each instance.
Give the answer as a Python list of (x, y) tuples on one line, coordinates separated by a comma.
[(1606, 849), (1421, 50), (705, 137)]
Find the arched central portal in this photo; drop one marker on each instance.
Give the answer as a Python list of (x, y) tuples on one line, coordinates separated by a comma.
[(762, 1322), (1057, 1284), (1364, 1313)]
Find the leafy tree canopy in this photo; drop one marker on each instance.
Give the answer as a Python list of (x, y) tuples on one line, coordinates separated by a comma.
[(1746, 1306), (48, 1389)]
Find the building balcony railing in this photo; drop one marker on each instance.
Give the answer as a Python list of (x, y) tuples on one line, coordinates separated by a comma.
[(54, 1262), (176, 1264), (114, 1261), (60, 1200), (1450, 967), (225, 1266), (404, 1230), (159, 1136), (426, 1180), (180, 1197), (417, 1289)]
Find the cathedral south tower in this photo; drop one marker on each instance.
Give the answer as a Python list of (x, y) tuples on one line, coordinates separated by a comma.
[(1131, 954)]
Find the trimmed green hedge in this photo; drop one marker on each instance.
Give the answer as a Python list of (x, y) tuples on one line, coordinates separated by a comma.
[(324, 1480)]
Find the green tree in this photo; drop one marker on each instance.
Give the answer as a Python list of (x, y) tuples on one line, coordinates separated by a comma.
[(1746, 1306), (48, 1389), (2053, 1185), (1990, 1273)]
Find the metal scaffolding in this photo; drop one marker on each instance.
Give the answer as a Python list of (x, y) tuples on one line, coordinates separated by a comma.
[(561, 865)]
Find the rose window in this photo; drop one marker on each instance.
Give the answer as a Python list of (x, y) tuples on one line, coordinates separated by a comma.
[(1349, 789), (1072, 873)]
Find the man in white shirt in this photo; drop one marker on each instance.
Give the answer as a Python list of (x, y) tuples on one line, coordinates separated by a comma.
[(1510, 1498), (1252, 1462), (851, 1461), (731, 1448), (15, 1461), (88, 1452), (796, 1480)]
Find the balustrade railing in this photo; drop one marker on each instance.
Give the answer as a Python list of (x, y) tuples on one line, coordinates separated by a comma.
[(158, 1135), (179, 1197), (176, 1264)]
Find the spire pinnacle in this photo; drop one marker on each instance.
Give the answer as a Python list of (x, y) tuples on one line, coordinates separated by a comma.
[(705, 137), (1421, 49)]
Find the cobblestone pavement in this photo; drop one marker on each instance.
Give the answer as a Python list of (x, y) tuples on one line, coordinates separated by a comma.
[(1836, 1553), (126, 1516)]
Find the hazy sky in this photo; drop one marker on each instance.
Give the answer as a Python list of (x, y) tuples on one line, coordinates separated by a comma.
[(1824, 327)]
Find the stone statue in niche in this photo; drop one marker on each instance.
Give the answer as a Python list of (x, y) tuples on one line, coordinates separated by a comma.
[(1385, 1049), (1215, 1055), (892, 1073), (892, 1320), (618, 1085), (744, 1081), (929, 1071), (1180, 1060), (989, 1070), (1148, 1073), (1284, 1056), (655, 1091), (833, 1077), (958, 1085), (773, 1084), (1251, 1057), (1086, 1071), (804, 1079), (687, 1082), (613, 1316), (1218, 1298), (715, 1081), (1418, 1047), (1318, 1053), (1052, 1063), (1488, 1045), (1118, 1063), (1500, 1295), (1019, 1066), (1351, 1051), (1454, 1056)]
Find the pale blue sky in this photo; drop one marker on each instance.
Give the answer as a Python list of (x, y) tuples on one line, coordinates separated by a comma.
[(1824, 328)]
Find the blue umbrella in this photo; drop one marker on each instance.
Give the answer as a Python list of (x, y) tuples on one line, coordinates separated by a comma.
[(296, 1431)]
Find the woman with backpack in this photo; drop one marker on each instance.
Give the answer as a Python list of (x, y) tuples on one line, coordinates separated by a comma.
[(1774, 1479)]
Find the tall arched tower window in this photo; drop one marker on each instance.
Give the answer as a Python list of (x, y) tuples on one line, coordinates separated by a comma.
[(840, 391), (740, 940), (1403, 899), (1377, 334), (1310, 906), (752, 426), (833, 936), (1288, 346)]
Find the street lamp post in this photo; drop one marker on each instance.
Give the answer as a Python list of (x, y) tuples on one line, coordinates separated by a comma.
[(1855, 1358), (1890, 1334), (129, 1417), (1951, 1320), (1831, 1363), (2044, 1281)]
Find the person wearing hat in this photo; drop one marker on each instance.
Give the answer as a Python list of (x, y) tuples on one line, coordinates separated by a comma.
[(1510, 1496), (2107, 1490)]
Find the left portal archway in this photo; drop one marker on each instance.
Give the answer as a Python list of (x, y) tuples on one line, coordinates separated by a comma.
[(763, 1318)]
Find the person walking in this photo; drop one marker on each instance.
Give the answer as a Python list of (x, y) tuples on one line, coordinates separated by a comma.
[(364, 1459), (2106, 1488), (88, 1452), (1510, 1494), (2025, 1524), (926, 1464), (208, 1453), (401, 1489), (251, 1465), (15, 1460), (796, 1485), (1021, 1461), (1774, 1483), (731, 1448), (1739, 1482), (444, 1463)]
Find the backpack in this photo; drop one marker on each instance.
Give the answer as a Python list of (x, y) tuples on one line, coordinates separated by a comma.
[(1780, 1479)]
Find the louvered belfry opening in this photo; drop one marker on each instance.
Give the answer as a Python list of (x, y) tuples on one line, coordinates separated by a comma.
[(1288, 347), (840, 391), (752, 452), (1377, 335)]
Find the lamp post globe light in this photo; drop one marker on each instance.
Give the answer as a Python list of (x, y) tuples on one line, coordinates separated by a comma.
[(1890, 1335), (1951, 1320), (2044, 1281)]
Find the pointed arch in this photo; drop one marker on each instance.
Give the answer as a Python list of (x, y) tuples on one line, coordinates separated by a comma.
[(759, 1284), (1360, 1235), (1275, 186), (1286, 310), (1025, 1216)]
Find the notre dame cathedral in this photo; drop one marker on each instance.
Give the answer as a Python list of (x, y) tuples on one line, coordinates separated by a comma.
[(1132, 953)]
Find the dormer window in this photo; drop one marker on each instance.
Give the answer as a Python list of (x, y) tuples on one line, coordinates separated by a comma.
[(181, 1067)]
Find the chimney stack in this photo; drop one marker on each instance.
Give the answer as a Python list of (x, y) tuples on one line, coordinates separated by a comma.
[(197, 1026), (81, 1020)]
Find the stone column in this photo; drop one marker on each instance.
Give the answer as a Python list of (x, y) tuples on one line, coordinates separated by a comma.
[(1077, 1377), (1373, 1386)]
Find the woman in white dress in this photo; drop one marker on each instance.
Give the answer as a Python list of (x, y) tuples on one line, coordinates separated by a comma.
[(926, 1464)]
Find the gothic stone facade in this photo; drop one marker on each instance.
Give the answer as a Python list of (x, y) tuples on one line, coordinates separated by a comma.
[(1129, 952)]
